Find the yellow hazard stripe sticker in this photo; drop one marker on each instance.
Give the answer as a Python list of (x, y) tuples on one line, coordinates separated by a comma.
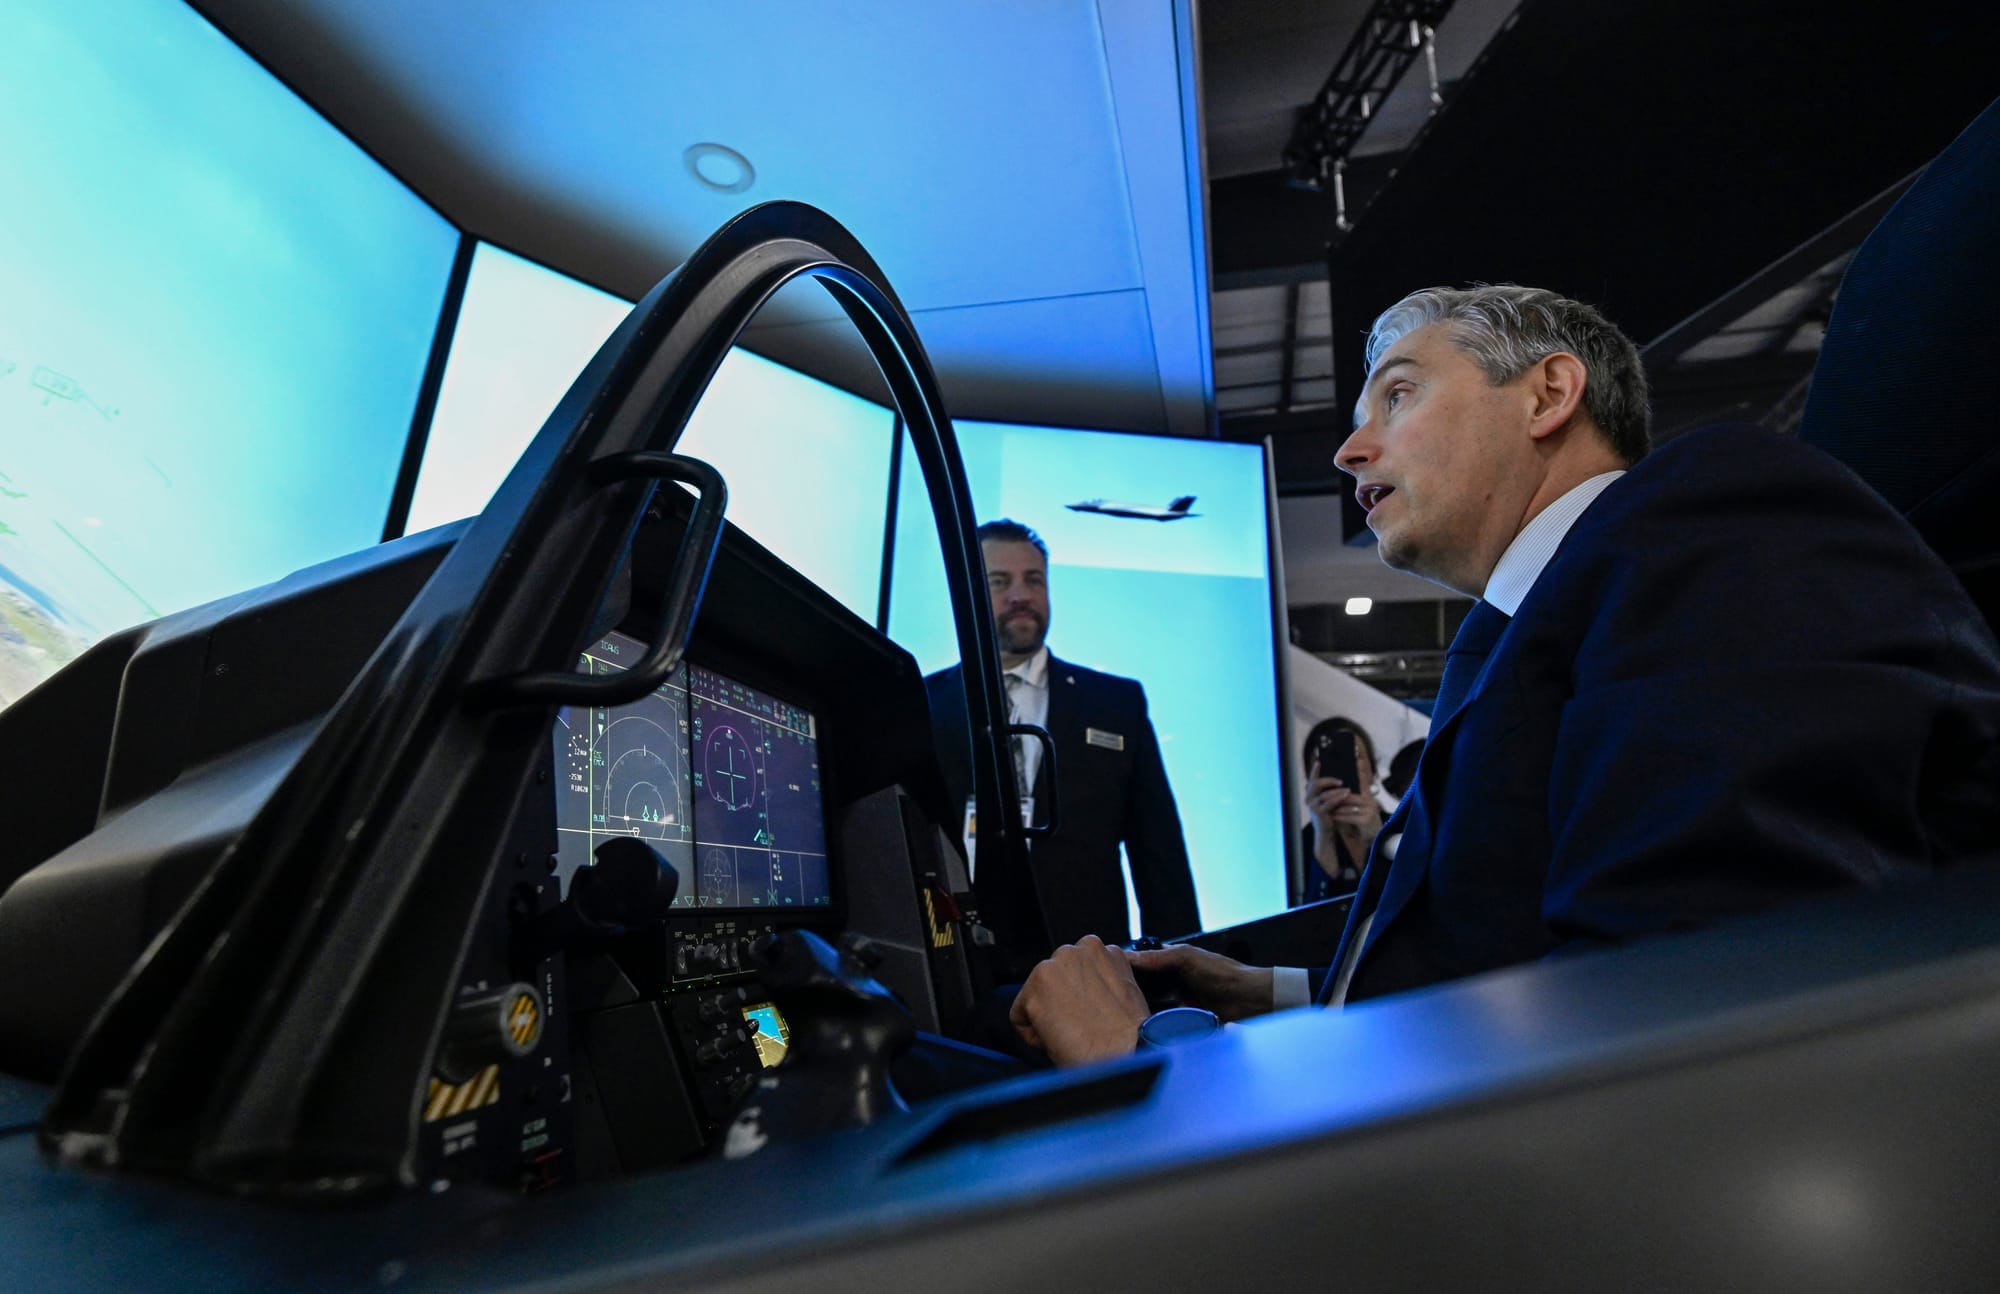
[(525, 1020), (941, 936), (444, 1100)]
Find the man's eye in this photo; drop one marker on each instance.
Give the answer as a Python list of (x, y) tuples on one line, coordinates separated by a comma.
[(1395, 395)]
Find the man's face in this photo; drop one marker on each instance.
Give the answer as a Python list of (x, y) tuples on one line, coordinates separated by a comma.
[(1439, 457), (1017, 579)]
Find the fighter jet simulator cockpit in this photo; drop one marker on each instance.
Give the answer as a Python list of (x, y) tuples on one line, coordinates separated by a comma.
[(555, 898), (706, 777), (575, 895)]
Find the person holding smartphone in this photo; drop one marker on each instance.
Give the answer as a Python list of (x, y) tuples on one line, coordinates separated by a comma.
[(1343, 814)]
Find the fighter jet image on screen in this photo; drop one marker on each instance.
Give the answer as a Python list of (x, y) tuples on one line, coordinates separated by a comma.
[(1175, 511)]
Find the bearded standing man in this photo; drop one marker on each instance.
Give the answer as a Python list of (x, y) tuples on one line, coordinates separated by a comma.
[(1113, 786)]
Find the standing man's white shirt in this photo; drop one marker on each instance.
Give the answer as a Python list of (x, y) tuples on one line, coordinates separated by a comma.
[(1030, 700), (1027, 687), (1513, 576)]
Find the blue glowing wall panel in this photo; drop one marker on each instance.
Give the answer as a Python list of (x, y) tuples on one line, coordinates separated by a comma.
[(215, 312), (524, 333), (1182, 606), (807, 463)]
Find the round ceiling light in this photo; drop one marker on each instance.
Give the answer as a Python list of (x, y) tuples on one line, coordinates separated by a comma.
[(719, 167)]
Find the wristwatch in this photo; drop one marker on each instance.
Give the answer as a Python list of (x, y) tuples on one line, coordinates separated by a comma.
[(1176, 1025)]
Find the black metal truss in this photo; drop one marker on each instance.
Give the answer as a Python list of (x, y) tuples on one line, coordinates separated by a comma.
[(1392, 35)]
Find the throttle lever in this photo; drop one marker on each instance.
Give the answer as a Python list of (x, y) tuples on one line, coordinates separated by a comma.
[(1162, 988)]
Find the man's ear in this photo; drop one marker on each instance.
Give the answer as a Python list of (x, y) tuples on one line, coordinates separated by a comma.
[(1556, 385)]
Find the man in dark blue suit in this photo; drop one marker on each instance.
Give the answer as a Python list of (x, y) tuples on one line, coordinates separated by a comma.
[(1697, 683), (1112, 783)]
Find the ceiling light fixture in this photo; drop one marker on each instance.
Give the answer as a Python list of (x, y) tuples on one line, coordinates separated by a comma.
[(1360, 606), (719, 167)]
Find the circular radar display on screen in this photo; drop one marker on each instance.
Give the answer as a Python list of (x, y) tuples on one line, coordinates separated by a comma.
[(642, 785), (718, 879), (732, 772)]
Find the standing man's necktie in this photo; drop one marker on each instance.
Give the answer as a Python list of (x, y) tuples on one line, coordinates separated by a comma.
[(1017, 745)]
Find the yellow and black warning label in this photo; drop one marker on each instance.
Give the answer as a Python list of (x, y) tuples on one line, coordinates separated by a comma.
[(942, 933), (524, 1020), (444, 1100)]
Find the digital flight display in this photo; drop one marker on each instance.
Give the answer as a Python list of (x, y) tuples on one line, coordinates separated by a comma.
[(721, 778), (759, 825), (768, 1033)]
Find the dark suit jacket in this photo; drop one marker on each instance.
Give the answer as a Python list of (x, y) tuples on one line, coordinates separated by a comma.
[(1741, 679), (1107, 796)]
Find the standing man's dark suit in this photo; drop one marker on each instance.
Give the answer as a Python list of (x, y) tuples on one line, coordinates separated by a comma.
[(1741, 678), (1113, 789)]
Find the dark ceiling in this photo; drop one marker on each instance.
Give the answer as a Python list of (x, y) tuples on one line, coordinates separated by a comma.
[(1700, 169), (1648, 157)]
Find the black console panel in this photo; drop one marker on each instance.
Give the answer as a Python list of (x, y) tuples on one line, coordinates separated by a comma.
[(785, 774)]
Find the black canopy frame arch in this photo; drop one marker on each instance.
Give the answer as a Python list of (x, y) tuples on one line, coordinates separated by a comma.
[(275, 1037)]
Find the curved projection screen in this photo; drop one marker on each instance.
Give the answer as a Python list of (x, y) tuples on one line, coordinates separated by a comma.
[(807, 463), (215, 312), (1182, 606)]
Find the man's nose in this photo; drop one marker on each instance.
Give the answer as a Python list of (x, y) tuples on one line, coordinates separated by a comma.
[(1355, 453)]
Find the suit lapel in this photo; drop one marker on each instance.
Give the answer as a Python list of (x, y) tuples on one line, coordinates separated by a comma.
[(1367, 894), (1065, 719)]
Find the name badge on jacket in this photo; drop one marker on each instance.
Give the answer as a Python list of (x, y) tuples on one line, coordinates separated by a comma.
[(1099, 737)]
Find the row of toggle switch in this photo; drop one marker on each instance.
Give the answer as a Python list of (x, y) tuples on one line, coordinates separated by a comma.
[(724, 950)]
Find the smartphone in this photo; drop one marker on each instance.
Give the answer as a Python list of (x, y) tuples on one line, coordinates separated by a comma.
[(1335, 754)]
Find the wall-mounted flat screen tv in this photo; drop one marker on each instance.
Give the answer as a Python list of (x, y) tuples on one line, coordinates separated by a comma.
[(1181, 602)]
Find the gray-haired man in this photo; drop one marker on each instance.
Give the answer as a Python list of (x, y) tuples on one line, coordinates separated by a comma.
[(1698, 682)]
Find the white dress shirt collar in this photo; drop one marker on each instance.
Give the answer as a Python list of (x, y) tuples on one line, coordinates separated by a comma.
[(1522, 564), (1035, 670)]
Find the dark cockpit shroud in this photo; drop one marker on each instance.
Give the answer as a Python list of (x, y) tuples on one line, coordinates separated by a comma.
[(361, 849)]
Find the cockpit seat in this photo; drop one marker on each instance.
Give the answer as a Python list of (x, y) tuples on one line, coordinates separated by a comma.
[(1907, 387)]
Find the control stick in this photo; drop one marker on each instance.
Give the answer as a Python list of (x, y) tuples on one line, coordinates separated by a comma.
[(846, 1029), (1161, 988), (1172, 1022)]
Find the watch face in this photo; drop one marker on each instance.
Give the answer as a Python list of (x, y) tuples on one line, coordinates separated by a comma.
[(1177, 1025)]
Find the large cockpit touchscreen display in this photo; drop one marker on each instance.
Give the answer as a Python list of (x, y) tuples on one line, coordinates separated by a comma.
[(722, 779)]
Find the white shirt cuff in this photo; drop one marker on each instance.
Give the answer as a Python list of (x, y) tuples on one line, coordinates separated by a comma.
[(1290, 987)]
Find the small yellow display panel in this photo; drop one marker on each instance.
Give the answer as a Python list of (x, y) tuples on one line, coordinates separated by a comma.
[(768, 1032)]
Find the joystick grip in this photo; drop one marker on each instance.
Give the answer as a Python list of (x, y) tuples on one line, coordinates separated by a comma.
[(1162, 988), (846, 1030)]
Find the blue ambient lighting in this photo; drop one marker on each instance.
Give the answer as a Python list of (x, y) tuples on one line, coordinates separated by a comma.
[(217, 314), (807, 463)]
